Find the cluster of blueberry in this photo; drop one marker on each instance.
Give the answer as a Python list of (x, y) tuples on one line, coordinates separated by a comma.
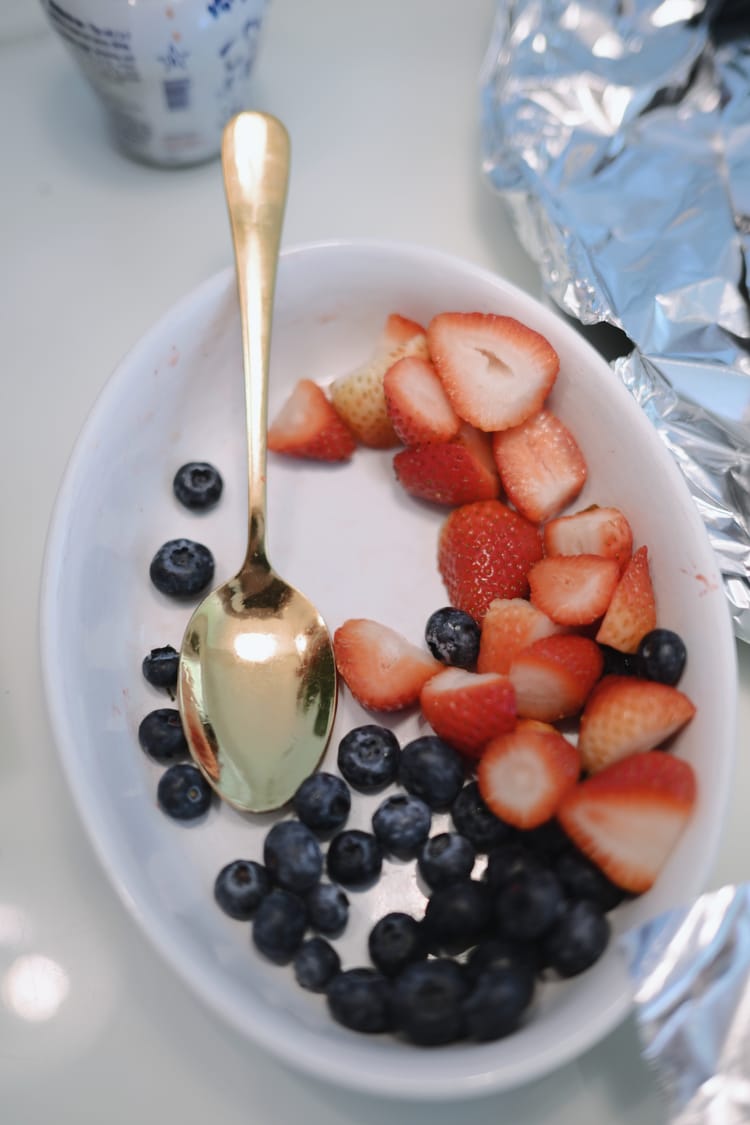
[(181, 568), (469, 966)]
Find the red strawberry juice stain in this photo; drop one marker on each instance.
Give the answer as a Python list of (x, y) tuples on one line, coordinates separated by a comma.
[(174, 357), (707, 586)]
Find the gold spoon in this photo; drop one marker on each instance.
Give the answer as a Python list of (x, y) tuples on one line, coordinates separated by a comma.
[(257, 684)]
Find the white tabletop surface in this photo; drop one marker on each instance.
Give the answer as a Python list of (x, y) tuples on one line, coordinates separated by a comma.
[(381, 104)]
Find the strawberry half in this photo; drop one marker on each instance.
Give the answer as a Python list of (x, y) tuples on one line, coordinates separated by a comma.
[(525, 775), (467, 709), (632, 611), (450, 472), (510, 624), (383, 671), (554, 676), (593, 531), (485, 551), (359, 397), (496, 371), (573, 589), (628, 818), (625, 715), (417, 404), (540, 464), (308, 426)]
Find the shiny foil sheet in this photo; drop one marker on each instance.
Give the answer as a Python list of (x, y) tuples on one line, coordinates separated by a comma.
[(618, 133), (690, 970)]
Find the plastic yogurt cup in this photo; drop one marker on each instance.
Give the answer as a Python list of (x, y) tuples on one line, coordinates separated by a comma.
[(169, 73)]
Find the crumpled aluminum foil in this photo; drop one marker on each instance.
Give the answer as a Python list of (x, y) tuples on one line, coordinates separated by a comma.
[(690, 970), (618, 133)]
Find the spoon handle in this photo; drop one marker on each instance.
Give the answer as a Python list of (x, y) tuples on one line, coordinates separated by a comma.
[(255, 164)]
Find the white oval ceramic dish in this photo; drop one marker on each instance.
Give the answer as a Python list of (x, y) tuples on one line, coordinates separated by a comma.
[(357, 546)]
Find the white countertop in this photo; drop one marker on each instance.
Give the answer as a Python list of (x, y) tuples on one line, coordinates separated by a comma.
[(380, 101)]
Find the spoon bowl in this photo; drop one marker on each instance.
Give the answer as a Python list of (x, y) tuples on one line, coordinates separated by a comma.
[(257, 682)]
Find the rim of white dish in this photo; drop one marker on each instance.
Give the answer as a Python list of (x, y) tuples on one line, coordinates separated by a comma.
[(318, 1062)]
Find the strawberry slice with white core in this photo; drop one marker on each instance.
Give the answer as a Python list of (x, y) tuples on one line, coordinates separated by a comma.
[(632, 611), (359, 397), (382, 669), (624, 715), (496, 371), (453, 472), (541, 465), (554, 676), (510, 625), (523, 776), (418, 407), (593, 531), (308, 426), (573, 589), (399, 330), (467, 709), (628, 818)]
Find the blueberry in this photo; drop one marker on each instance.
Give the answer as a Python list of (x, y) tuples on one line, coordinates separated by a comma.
[(360, 999), (432, 770), (395, 941), (322, 802), (428, 1001), (497, 1002), (316, 963), (239, 888), (402, 824), (507, 861), (502, 953), (354, 858), (663, 655), (161, 666), (292, 856), (328, 909), (162, 737), (182, 568), (476, 822), (446, 858), (279, 925), (368, 757), (546, 841), (577, 939), (529, 904), (183, 792), (453, 637), (583, 879), (197, 485), (458, 915), (618, 663)]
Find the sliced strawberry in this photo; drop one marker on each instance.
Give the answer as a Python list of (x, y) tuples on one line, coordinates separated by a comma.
[(523, 776), (632, 611), (417, 404), (467, 709), (554, 676), (383, 671), (360, 399), (485, 551), (399, 330), (496, 371), (540, 464), (593, 531), (308, 426), (625, 715), (573, 589), (628, 818), (510, 624), (450, 472)]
